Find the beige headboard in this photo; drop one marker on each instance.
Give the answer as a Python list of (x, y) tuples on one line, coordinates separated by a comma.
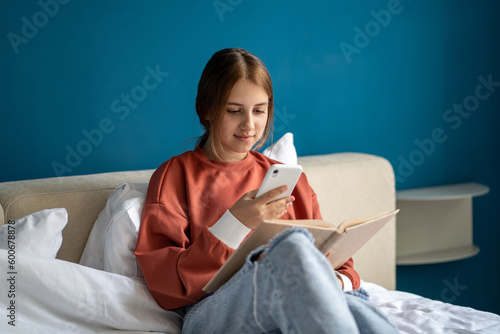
[(83, 196), (348, 185)]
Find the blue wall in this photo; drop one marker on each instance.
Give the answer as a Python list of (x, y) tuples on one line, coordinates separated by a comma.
[(101, 86)]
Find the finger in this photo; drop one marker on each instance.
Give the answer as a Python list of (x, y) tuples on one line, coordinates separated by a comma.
[(278, 208), (284, 201), (272, 194)]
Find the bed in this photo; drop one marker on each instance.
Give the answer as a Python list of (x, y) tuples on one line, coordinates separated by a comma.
[(66, 251)]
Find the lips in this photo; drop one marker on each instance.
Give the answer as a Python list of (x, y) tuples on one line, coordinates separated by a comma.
[(244, 138)]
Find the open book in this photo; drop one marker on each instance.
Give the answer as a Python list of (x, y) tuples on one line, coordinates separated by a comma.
[(341, 241)]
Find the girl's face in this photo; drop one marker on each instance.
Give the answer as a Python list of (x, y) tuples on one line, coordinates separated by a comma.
[(244, 120)]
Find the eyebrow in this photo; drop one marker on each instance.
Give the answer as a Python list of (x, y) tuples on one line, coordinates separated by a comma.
[(241, 105)]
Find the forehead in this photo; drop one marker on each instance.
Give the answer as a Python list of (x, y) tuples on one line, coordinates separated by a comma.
[(246, 92)]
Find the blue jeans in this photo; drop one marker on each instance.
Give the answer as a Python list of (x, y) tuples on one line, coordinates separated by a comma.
[(292, 289)]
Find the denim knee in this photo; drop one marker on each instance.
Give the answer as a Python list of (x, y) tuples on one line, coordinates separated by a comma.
[(293, 235)]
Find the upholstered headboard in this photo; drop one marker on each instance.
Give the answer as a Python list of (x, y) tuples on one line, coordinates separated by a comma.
[(348, 185)]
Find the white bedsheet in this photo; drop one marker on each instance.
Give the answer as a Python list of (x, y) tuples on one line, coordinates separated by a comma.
[(54, 296), (411, 313)]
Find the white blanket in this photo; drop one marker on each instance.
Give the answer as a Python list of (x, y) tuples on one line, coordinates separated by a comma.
[(411, 313), (54, 296)]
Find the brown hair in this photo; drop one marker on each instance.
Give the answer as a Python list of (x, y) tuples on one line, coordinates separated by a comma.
[(222, 71)]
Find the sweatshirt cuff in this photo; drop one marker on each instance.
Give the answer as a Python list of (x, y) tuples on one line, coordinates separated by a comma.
[(229, 230), (347, 282)]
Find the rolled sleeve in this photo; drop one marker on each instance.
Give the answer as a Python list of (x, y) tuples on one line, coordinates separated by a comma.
[(346, 281), (229, 230)]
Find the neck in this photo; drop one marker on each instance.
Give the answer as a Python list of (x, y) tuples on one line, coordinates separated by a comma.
[(224, 157)]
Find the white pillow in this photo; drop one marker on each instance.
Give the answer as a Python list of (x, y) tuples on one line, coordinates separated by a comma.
[(39, 233), (111, 242), (283, 150), (121, 238)]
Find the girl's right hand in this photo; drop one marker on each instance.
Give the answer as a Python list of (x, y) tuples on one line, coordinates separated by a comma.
[(250, 211)]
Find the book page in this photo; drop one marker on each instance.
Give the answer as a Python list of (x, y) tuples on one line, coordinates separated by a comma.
[(341, 245), (349, 242), (356, 221), (303, 223)]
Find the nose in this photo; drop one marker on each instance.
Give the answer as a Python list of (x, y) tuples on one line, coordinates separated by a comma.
[(247, 122)]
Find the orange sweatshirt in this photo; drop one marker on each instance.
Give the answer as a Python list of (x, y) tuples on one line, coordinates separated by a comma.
[(187, 231)]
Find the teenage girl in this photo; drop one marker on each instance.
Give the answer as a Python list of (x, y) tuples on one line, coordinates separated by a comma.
[(201, 205)]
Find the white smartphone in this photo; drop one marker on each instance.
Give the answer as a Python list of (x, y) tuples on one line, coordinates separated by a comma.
[(278, 175)]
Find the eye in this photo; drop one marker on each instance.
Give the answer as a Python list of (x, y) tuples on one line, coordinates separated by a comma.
[(232, 111), (261, 111)]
